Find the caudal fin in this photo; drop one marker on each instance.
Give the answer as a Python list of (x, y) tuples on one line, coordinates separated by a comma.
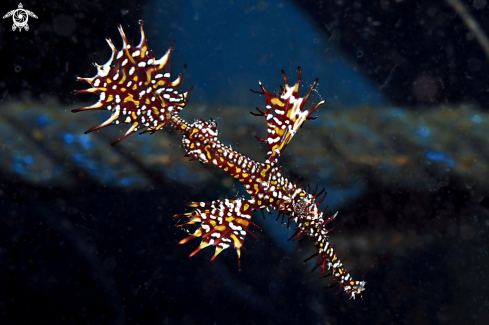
[(136, 88)]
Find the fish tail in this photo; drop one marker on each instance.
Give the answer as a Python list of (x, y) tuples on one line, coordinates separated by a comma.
[(136, 88)]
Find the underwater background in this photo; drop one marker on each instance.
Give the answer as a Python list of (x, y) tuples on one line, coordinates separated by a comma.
[(87, 232)]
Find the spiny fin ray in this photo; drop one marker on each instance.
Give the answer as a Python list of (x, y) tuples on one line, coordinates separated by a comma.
[(285, 115), (136, 88), (222, 224)]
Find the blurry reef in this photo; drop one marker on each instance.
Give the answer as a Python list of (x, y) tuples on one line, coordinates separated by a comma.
[(44, 145)]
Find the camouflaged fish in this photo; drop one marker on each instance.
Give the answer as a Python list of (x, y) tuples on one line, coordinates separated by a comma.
[(137, 90)]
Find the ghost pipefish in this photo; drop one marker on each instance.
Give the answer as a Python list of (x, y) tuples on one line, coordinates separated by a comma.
[(137, 90)]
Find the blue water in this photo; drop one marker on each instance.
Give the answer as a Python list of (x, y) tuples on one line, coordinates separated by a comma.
[(230, 45)]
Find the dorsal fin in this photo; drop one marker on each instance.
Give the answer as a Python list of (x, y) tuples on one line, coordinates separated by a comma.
[(284, 115), (136, 88)]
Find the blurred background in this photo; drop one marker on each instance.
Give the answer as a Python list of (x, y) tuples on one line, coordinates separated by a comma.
[(86, 229)]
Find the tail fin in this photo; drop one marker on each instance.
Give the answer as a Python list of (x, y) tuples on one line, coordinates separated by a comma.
[(136, 88), (284, 115)]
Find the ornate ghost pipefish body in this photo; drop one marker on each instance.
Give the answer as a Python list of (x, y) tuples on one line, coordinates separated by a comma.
[(136, 88)]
